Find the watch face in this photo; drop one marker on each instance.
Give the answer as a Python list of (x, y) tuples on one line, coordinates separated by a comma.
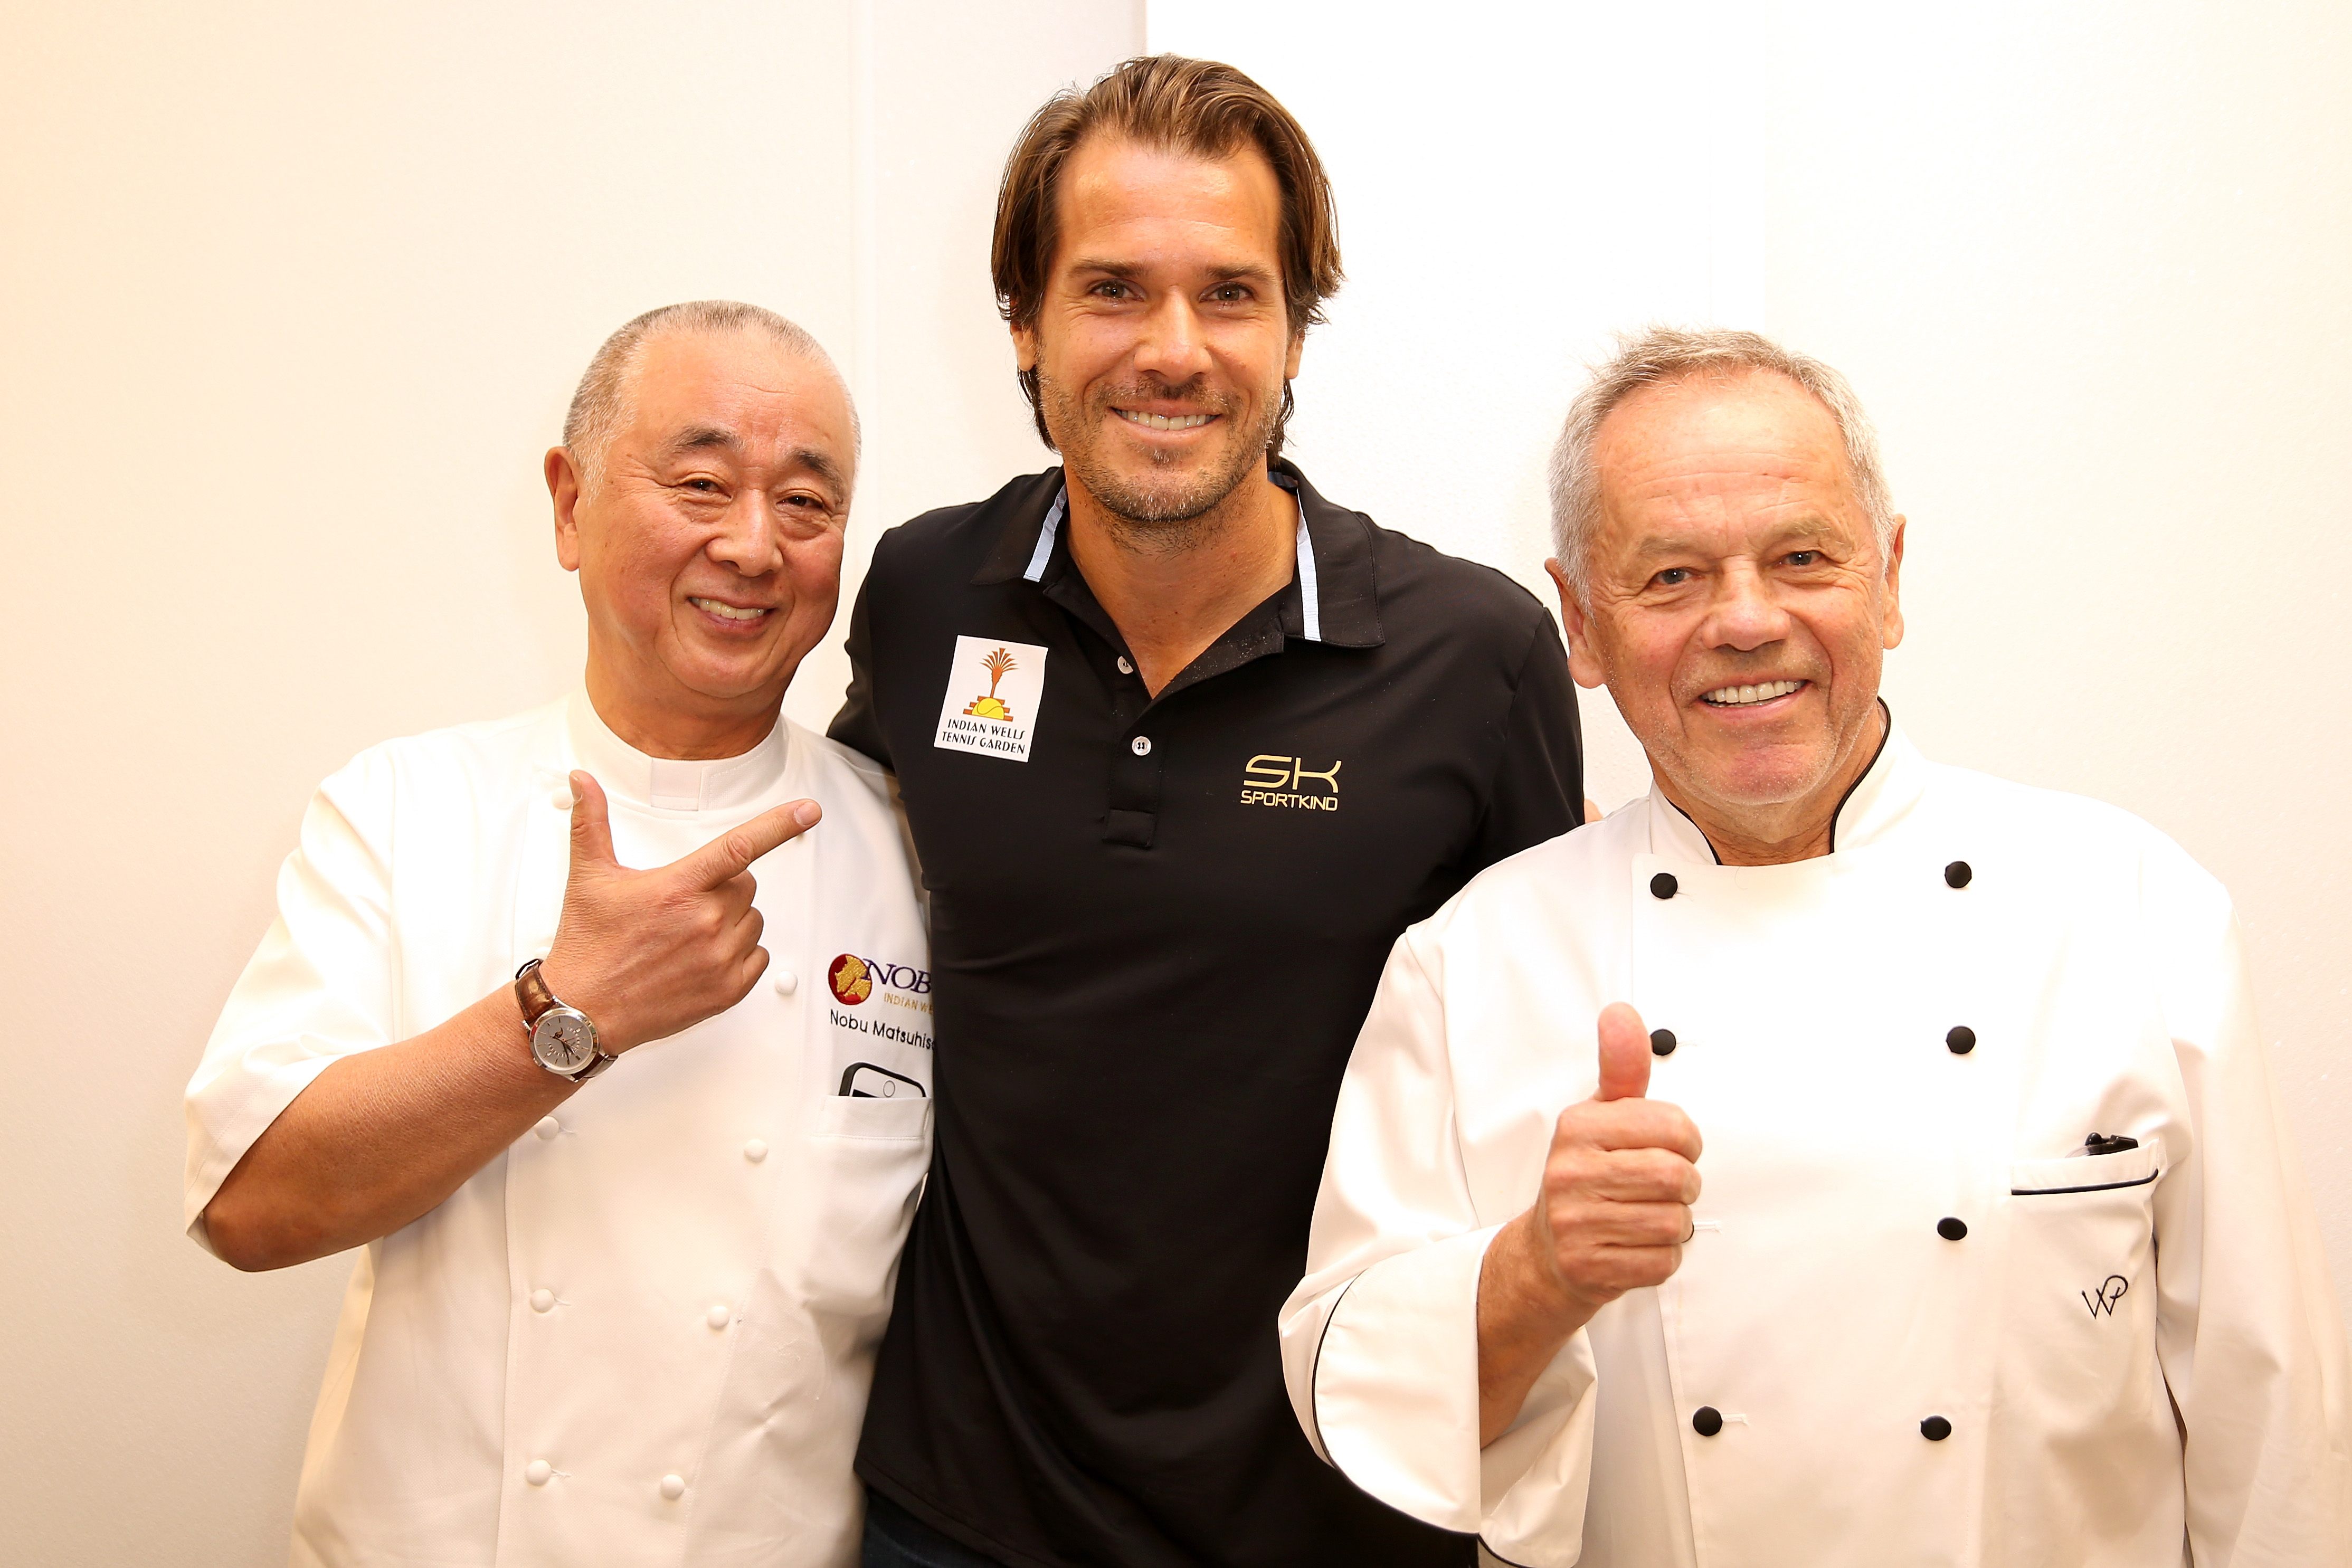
[(565, 1042)]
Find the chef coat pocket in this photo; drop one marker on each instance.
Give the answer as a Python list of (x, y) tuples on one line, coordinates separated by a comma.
[(2080, 1283), (2077, 1345), (869, 1156), (857, 1116)]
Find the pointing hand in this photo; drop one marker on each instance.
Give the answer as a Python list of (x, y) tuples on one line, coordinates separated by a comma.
[(646, 954)]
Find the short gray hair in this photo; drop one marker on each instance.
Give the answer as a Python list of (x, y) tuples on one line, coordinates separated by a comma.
[(1660, 354), (602, 403)]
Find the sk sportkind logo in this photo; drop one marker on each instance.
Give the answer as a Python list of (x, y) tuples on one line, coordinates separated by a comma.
[(1271, 780), (998, 664), (851, 979)]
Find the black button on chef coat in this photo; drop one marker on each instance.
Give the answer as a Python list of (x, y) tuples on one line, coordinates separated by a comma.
[(1149, 966)]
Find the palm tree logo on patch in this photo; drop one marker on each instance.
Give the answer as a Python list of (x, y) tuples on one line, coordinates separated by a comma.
[(998, 664)]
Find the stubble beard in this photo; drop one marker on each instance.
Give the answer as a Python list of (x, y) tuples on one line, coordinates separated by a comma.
[(1169, 510)]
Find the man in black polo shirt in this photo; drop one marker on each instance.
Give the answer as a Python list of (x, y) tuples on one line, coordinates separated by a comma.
[(1184, 746)]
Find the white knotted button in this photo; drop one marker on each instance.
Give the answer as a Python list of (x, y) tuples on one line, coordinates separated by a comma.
[(719, 1316), (537, 1472), (547, 1127), (786, 982), (560, 798), (1124, 667), (673, 1487), (755, 1151), (1141, 745), (542, 1300)]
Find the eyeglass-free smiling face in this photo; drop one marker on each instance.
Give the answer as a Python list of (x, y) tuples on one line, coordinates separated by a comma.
[(1738, 605), (1162, 343), (709, 548)]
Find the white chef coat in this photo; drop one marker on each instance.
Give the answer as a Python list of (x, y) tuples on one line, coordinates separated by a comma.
[(1819, 1311), (643, 1333)]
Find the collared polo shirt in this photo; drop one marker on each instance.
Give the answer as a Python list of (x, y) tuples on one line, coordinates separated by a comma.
[(1156, 923)]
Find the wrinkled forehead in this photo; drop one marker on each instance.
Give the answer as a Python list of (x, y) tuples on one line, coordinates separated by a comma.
[(742, 395), (1720, 447)]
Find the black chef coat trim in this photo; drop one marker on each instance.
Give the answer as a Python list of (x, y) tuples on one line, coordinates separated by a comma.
[(1315, 1376), (1687, 817), (2096, 1186), (1507, 1561), (1885, 736), (1346, 597)]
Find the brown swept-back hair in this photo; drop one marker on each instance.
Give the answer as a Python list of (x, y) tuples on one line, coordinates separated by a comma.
[(1200, 106)]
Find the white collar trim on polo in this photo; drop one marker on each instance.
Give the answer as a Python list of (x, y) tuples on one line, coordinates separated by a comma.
[(1311, 597)]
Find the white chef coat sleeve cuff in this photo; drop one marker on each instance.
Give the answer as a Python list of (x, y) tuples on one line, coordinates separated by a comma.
[(319, 986), (1395, 1386), (219, 1135)]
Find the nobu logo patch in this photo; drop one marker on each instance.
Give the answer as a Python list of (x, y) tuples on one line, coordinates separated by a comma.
[(851, 979), (1288, 781)]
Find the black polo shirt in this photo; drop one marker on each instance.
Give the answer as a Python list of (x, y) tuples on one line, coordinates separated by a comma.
[(1156, 925)]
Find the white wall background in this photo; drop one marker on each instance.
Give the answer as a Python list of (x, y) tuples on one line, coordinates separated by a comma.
[(2089, 265), (291, 298)]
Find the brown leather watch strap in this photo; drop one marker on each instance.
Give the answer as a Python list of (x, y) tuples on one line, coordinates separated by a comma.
[(531, 993)]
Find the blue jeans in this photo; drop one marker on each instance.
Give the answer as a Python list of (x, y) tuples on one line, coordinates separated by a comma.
[(897, 1539)]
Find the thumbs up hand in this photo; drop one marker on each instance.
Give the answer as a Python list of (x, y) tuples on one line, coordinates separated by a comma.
[(1612, 1215), (648, 953), (1614, 1207)]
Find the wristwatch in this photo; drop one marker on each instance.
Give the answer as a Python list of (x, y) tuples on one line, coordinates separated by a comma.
[(562, 1038)]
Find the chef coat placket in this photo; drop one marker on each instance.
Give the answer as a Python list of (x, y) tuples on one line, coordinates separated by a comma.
[(1791, 1107), (613, 1166)]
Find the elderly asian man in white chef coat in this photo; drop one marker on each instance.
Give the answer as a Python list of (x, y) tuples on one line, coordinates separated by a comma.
[(630, 1219), (2000, 1257)]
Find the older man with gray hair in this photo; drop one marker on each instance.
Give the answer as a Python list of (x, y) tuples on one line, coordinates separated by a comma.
[(623, 1316), (2000, 1257)]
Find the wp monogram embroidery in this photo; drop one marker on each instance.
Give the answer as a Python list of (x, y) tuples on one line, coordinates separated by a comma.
[(2105, 1298)]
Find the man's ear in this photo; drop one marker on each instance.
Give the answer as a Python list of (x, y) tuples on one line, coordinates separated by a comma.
[(1025, 347), (1891, 634), (1582, 664), (564, 489), (1297, 352)]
